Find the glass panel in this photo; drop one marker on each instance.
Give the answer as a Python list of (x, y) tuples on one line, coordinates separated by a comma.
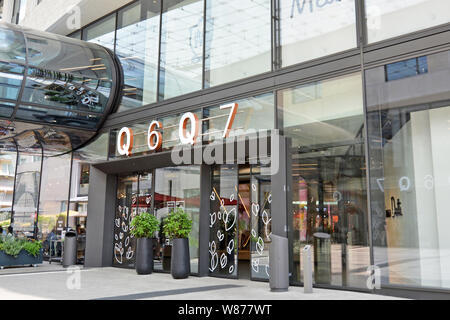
[(126, 210), (223, 232), (13, 46), (57, 117), (261, 225), (84, 179), (181, 48), (11, 77), (102, 32), (325, 121), (253, 114), (6, 108), (177, 187), (383, 17), (145, 193), (56, 90), (238, 40), (75, 35), (137, 48), (406, 68), (7, 172), (27, 191), (53, 200), (409, 139), (313, 29), (85, 63)]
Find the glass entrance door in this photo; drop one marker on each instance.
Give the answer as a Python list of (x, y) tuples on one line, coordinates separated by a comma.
[(240, 222), (126, 209)]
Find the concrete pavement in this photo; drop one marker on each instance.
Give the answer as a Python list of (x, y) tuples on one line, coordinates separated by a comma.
[(125, 284)]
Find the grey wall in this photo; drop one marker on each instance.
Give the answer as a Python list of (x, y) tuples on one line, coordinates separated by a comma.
[(100, 223)]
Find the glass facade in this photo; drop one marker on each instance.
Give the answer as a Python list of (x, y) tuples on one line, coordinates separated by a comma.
[(325, 120), (137, 44), (313, 29), (181, 48), (408, 126), (238, 40), (367, 164), (383, 17)]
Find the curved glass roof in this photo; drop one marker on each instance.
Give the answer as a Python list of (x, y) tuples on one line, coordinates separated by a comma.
[(58, 89)]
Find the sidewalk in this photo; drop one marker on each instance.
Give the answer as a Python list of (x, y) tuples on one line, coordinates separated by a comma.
[(125, 284)]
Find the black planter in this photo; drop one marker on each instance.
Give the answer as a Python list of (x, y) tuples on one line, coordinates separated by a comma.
[(144, 256), (180, 266), (24, 258)]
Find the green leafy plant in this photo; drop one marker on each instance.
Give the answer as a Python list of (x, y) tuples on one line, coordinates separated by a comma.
[(33, 247), (177, 224), (144, 225), (13, 246)]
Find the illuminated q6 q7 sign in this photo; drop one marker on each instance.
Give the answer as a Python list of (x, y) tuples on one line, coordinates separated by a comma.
[(125, 136)]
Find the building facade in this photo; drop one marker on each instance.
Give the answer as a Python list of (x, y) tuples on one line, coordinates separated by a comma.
[(354, 95)]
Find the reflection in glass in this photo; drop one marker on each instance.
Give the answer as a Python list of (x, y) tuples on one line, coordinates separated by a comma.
[(26, 192), (12, 46), (325, 121), (6, 108), (145, 193), (223, 226), (58, 117), (126, 210), (53, 197), (181, 48), (11, 77), (137, 48), (409, 139), (8, 157), (383, 17), (253, 114), (311, 29), (261, 221), (238, 40), (177, 187), (102, 32), (64, 91)]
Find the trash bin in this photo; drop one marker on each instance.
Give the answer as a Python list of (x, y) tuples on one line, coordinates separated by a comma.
[(279, 263), (322, 258), (70, 249)]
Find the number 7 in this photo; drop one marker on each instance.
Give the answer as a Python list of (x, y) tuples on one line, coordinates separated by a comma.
[(234, 107)]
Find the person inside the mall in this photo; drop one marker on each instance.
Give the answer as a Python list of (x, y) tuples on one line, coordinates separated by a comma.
[(10, 233)]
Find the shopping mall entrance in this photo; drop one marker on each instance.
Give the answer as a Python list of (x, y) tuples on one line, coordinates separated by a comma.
[(239, 217), (228, 201)]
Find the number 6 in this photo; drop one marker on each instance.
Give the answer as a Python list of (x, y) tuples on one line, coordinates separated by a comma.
[(154, 138)]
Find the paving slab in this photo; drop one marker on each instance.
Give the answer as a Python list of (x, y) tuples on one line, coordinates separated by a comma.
[(125, 284)]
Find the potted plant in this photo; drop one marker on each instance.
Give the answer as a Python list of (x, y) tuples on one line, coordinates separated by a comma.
[(19, 252), (177, 228), (143, 228)]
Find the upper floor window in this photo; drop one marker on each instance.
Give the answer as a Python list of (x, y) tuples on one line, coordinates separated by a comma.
[(392, 18), (313, 29), (406, 68)]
